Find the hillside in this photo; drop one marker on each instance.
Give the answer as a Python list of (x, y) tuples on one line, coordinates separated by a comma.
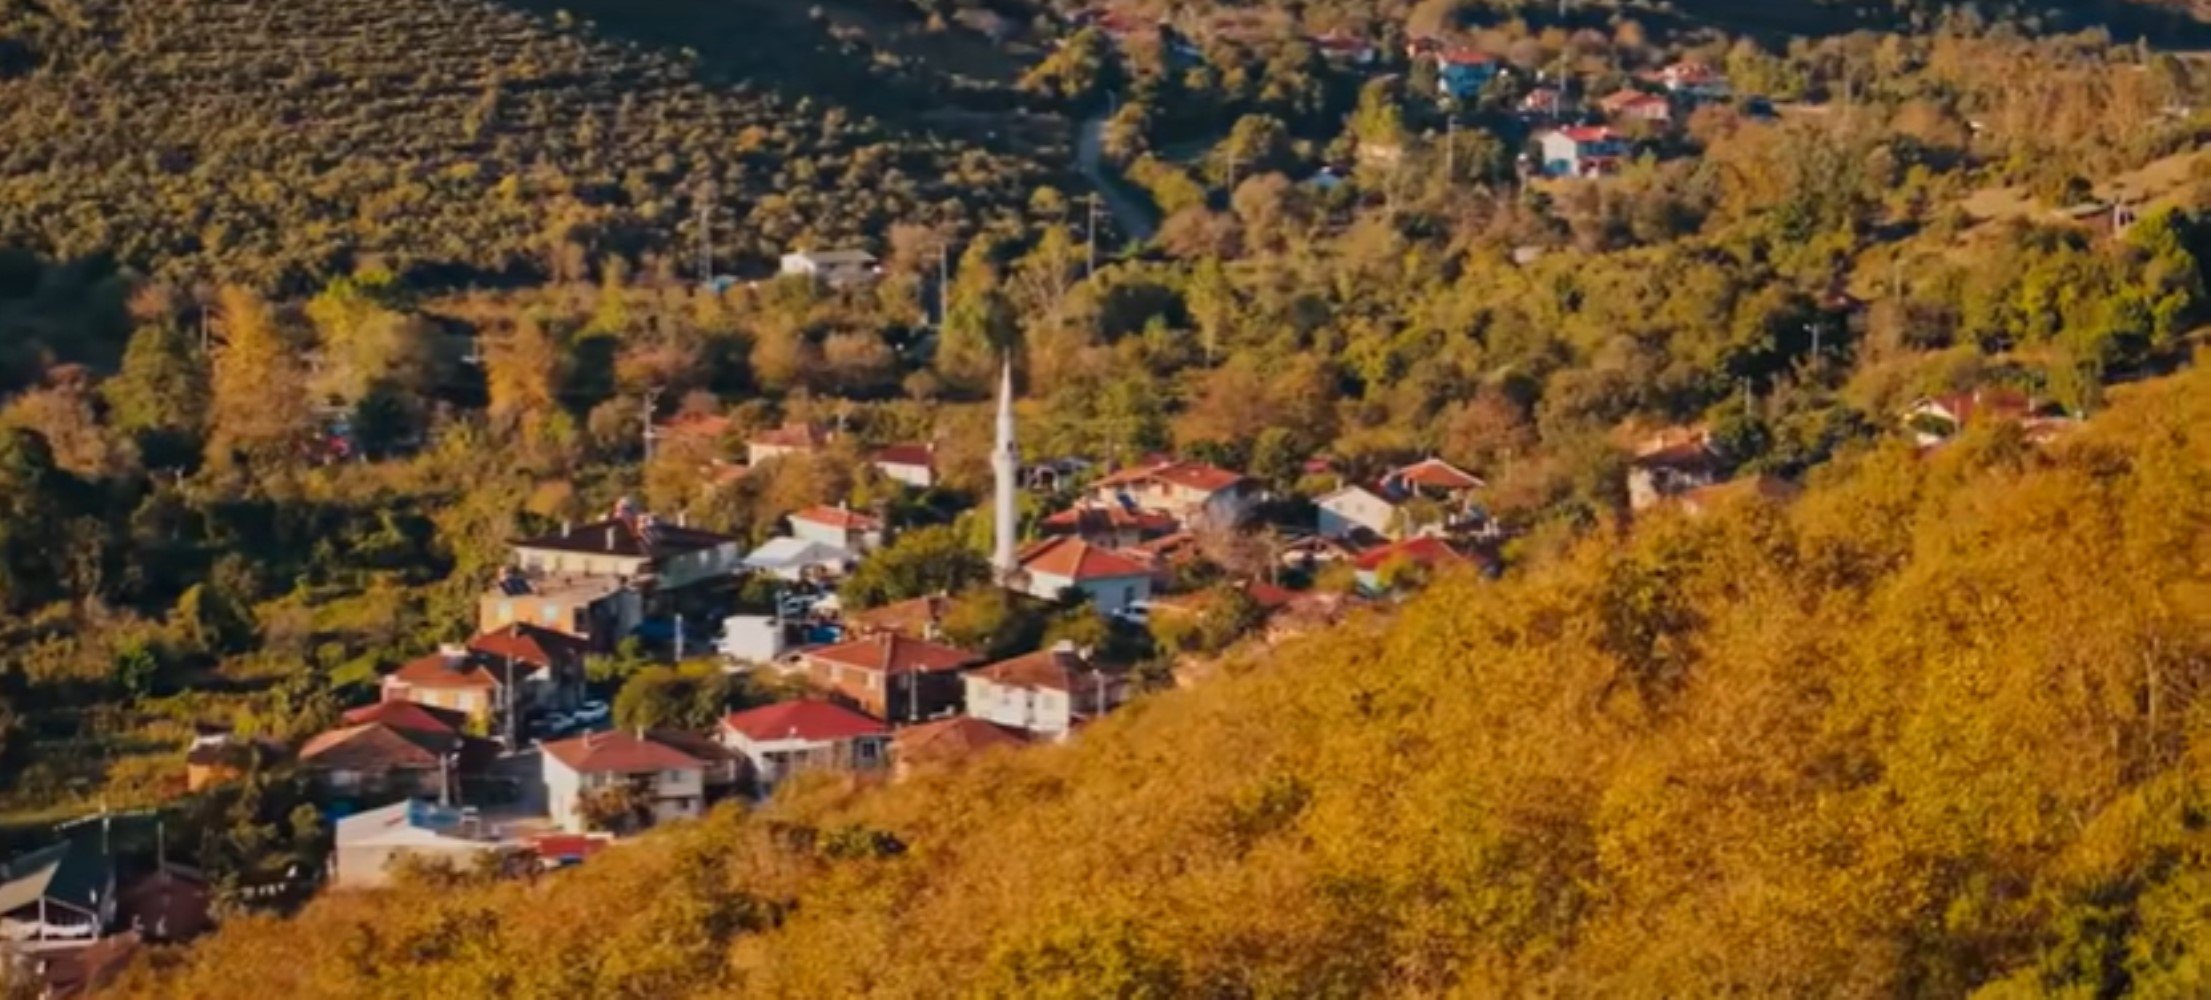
[(1933, 729), (282, 142)]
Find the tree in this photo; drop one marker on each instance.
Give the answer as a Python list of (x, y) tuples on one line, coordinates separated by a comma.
[(917, 563), (258, 407), (687, 696), (524, 370), (161, 394)]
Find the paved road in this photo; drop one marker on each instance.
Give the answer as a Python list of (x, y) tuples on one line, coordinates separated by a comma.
[(1132, 214)]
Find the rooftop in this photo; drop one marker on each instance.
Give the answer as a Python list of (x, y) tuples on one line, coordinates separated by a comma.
[(891, 653), (814, 721), (1075, 559), (635, 536), (619, 752), (921, 455), (793, 435), (1188, 475), (1425, 551), (952, 739), (1057, 669), (839, 517)]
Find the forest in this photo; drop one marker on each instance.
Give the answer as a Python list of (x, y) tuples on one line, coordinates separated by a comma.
[(307, 310), (1931, 730)]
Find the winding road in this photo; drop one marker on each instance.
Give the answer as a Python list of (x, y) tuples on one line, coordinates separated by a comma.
[(1131, 213)]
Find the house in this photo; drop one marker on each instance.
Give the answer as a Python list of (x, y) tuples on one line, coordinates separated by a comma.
[(74, 969), (394, 749), (891, 676), (1353, 510), (840, 527), (1461, 73), (1046, 693), (914, 465), (1695, 80), (785, 441), (1109, 580), (57, 897), (722, 771), (697, 433), (1109, 525), (1344, 49), (835, 268), (949, 741), (550, 663), (797, 559), (1631, 105), (1934, 419), (632, 546), (1375, 566), (916, 618), (1670, 463), (596, 610), (1433, 478), (1190, 492), (1545, 103), (485, 687), (658, 781), (782, 739), (219, 758), (1581, 151), (754, 639), (369, 843)]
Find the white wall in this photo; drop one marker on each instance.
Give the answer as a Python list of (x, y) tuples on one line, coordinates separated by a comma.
[(562, 787)]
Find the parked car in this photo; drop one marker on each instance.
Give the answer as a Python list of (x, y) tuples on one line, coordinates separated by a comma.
[(1139, 613), (592, 713)]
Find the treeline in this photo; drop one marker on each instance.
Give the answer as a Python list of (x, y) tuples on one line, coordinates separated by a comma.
[(1928, 731)]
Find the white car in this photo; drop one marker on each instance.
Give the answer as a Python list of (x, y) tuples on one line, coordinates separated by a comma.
[(1139, 613)]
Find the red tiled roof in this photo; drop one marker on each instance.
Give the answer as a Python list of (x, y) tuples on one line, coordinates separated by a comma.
[(838, 517), (890, 653), (1096, 518), (1425, 551), (438, 671), (376, 746), (406, 715), (1997, 403), (526, 643), (815, 721), (1269, 597), (628, 536), (1463, 56), (1188, 475), (952, 738), (1437, 474), (910, 617), (920, 455), (803, 436), (1075, 559), (619, 752), (1626, 98), (1045, 669), (1590, 133)]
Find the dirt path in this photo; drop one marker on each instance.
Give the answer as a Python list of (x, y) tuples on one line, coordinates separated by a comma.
[(1130, 212)]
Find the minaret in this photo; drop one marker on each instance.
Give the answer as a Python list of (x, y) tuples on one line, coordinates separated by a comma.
[(1005, 462)]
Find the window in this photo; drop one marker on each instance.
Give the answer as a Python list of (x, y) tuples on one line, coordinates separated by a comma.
[(671, 777), (1128, 596)]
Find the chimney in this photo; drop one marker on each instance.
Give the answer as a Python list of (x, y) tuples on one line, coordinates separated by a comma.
[(566, 526), (1064, 647), (683, 519), (610, 538), (453, 653)]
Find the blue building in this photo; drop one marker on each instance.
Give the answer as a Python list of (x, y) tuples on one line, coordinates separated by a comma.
[(1462, 73)]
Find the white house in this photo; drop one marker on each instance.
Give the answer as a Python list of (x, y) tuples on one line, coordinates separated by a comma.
[(785, 441), (1046, 692), (782, 739), (914, 465), (753, 639), (670, 783), (1353, 509), (1191, 492), (369, 842), (1110, 580), (835, 268), (798, 559), (839, 527)]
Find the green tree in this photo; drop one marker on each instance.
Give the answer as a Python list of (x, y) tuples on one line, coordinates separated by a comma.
[(922, 561)]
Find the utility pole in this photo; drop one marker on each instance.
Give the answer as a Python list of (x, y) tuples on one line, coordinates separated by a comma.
[(679, 637), (514, 741), (1450, 147), (652, 400)]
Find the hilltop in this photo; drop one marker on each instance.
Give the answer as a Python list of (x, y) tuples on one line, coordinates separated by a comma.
[(1932, 729)]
